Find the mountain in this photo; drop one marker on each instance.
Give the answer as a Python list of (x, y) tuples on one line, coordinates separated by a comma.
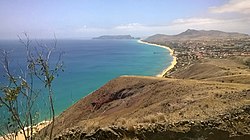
[(210, 34), (191, 34), (115, 37)]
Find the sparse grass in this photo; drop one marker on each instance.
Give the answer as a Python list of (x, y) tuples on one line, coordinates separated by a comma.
[(230, 70), (121, 122), (195, 99), (91, 125), (149, 119), (132, 124), (153, 118)]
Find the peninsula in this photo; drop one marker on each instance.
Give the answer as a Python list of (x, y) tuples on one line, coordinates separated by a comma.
[(115, 37)]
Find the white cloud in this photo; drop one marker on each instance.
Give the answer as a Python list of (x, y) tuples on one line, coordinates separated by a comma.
[(138, 29), (233, 6), (240, 24), (135, 29), (86, 29), (231, 25), (130, 26), (195, 21)]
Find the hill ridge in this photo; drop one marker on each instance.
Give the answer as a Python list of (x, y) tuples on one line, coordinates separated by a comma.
[(192, 34), (130, 100)]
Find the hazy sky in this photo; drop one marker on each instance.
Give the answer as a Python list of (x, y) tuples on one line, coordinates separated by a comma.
[(88, 18)]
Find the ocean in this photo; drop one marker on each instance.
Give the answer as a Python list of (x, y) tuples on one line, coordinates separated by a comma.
[(89, 64)]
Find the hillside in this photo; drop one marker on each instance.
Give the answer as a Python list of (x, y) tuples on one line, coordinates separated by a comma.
[(191, 34), (133, 107), (231, 70)]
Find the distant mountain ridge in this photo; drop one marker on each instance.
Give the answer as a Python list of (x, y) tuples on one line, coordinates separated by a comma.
[(192, 34), (115, 37)]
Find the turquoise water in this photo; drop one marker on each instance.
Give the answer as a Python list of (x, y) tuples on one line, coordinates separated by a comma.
[(89, 64)]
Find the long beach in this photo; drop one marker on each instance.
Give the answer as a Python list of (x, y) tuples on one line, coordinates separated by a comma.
[(173, 63)]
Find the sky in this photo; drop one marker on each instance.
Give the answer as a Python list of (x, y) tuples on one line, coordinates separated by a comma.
[(140, 18)]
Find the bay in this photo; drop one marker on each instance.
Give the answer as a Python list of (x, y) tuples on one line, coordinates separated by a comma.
[(89, 64)]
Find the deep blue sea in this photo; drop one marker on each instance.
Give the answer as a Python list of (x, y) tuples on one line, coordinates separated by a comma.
[(89, 64)]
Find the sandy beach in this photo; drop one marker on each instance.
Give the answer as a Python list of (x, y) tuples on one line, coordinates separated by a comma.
[(20, 136), (173, 63)]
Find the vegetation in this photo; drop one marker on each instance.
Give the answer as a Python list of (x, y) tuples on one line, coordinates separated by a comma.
[(18, 94), (139, 107)]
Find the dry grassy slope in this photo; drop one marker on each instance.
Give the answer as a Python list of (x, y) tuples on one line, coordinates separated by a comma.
[(232, 70), (130, 100)]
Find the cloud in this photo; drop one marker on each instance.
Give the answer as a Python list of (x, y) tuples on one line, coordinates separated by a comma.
[(87, 29), (130, 26), (135, 29), (239, 24), (233, 6), (195, 21), (139, 29)]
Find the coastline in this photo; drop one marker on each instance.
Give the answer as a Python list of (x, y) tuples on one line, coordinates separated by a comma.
[(20, 136), (173, 63), (44, 123)]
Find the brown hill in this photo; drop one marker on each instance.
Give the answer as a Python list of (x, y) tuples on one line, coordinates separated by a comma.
[(230, 70), (191, 34), (158, 108)]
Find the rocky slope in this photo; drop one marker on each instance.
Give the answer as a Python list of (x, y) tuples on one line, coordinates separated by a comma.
[(229, 126), (133, 107)]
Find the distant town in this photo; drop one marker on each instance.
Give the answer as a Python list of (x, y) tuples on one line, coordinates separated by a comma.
[(189, 50)]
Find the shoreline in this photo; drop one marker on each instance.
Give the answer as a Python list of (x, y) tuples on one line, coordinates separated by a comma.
[(173, 63), (39, 126), (44, 123)]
